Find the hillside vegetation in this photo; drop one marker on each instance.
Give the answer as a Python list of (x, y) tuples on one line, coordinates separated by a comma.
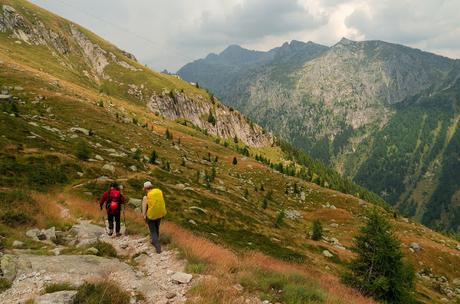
[(67, 134)]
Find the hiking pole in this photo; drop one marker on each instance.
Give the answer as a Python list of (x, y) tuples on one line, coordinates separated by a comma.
[(124, 220)]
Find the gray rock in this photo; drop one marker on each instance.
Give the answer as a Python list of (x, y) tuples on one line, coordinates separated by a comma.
[(8, 266), (180, 186), (133, 168), (456, 281), (33, 233), (59, 297), (18, 244), (327, 254), (98, 157), (109, 167), (135, 202), (415, 246), (80, 130), (50, 234), (198, 209), (334, 225), (192, 222), (181, 278), (170, 295)]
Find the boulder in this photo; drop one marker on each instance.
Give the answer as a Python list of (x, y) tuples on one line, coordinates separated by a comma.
[(415, 246), (80, 130), (8, 267), (33, 233), (18, 244), (181, 278), (50, 234), (98, 157), (327, 254), (109, 167), (135, 202), (59, 297), (170, 295)]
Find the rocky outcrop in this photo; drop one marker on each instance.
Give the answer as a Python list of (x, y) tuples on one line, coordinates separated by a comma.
[(226, 124)]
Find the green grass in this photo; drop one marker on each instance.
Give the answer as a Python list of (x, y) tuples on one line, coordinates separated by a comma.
[(54, 287), (287, 288), (4, 284), (104, 249), (101, 293)]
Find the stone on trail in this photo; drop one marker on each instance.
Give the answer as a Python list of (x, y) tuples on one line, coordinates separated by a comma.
[(181, 277), (415, 246), (8, 267), (109, 167), (59, 297)]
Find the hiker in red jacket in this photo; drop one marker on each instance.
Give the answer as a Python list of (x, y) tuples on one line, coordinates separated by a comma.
[(113, 200)]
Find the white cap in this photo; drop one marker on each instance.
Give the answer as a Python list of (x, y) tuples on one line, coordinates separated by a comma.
[(147, 185)]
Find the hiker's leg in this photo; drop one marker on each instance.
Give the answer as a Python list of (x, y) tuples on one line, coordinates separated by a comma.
[(154, 235), (157, 225), (117, 222), (110, 219)]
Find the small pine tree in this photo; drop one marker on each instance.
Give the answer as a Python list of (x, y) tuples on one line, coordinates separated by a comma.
[(246, 193), (235, 161), (279, 219), (317, 231), (211, 118), (378, 270), (137, 154), (82, 151), (182, 163), (168, 134), (262, 188), (14, 109), (235, 139), (153, 157), (265, 203)]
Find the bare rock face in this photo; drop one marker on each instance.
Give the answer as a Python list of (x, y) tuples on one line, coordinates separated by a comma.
[(228, 124), (93, 52)]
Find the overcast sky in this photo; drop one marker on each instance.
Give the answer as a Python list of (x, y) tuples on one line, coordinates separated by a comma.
[(169, 33)]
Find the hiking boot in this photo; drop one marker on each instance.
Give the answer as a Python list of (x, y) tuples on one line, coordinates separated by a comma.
[(110, 232), (118, 234)]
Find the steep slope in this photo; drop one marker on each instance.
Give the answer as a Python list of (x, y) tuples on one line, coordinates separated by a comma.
[(64, 141), (76, 55), (336, 106)]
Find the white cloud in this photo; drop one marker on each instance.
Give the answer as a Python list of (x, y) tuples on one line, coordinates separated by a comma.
[(170, 33)]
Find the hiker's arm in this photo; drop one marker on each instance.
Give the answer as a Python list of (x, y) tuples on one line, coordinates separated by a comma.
[(103, 199), (144, 207)]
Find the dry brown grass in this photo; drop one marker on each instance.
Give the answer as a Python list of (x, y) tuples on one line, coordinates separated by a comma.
[(224, 262)]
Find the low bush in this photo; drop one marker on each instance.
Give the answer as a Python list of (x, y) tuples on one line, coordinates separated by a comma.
[(4, 284), (104, 249), (14, 218), (101, 293)]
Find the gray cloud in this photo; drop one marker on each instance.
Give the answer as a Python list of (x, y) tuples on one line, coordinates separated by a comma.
[(170, 33)]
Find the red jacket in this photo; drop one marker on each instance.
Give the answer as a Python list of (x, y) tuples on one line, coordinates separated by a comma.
[(115, 195)]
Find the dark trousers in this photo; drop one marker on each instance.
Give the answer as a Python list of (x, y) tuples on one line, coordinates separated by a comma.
[(154, 227), (111, 217)]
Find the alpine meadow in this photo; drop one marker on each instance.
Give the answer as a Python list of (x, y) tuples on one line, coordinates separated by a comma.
[(294, 174)]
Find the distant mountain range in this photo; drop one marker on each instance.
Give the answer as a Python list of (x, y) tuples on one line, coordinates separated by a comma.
[(383, 114)]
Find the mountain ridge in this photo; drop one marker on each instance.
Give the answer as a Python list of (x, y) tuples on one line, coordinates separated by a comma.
[(333, 103)]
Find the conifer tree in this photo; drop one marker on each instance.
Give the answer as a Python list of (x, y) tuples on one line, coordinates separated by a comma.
[(153, 157), (235, 161), (379, 270), (317, 231)]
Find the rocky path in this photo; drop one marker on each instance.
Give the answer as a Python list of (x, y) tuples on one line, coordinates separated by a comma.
[(138, 270)]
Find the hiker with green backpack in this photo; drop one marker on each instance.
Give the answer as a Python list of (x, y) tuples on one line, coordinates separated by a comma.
[(153, 210)]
